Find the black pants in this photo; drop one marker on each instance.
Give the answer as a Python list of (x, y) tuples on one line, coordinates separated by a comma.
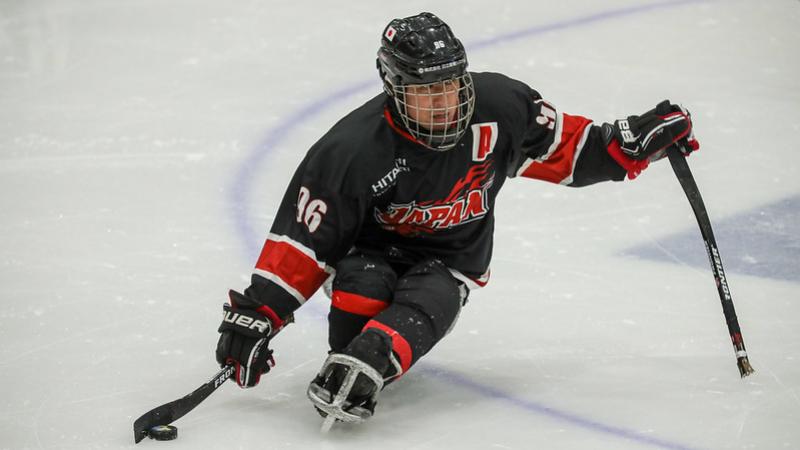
[(415, 305)]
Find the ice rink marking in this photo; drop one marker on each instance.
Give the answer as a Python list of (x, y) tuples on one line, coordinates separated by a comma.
[(548, 411)]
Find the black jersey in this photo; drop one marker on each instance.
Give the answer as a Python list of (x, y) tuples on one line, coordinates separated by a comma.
[(367, 185)]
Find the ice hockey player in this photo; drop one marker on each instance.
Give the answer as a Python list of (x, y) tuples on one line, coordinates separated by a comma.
[(395, 205)]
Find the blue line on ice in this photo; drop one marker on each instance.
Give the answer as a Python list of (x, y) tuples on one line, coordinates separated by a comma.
[(252, 240), (549, 411)]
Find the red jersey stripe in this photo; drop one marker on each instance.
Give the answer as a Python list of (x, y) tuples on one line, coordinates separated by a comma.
[(560, 165), (295, 271), (357, 304)]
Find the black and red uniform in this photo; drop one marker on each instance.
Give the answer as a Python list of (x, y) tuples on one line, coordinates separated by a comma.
[(404, 228)]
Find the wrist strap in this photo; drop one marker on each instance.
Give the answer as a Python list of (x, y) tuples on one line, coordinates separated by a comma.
[(632, 166)]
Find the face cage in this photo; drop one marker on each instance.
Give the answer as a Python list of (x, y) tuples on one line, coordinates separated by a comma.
[(450, 130)]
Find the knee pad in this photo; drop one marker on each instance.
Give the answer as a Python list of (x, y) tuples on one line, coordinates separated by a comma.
[(362, 288), (431, 289)]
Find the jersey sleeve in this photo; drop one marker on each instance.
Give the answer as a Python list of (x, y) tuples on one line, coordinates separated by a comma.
[(316, 224), (560, 148)]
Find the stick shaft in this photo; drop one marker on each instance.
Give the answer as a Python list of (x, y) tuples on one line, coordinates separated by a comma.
[(686, 179)]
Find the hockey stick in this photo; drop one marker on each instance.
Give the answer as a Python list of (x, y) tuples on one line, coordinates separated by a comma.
[(174, 410), (681, 169)]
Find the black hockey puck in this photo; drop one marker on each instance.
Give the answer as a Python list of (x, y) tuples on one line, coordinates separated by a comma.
[(163, 432)]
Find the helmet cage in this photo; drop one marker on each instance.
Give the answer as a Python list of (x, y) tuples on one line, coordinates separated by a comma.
[(430, 114), (421, 63)]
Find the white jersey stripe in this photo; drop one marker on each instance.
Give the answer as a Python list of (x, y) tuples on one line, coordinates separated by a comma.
[(557, 136), (280, 282), (577, 155), (469, 282)]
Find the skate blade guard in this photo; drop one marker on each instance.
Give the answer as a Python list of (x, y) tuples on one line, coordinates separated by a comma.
[(337, 406)]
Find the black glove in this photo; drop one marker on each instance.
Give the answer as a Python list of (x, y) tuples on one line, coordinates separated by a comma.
[(648, 136), (244, 340)]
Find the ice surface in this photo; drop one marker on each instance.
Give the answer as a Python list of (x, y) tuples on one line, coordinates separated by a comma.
[(144, 146), (762, 241)]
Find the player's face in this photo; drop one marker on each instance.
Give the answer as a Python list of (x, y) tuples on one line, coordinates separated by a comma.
[(433, 106)]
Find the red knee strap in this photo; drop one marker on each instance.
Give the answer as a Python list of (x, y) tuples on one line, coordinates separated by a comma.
[(357, 304), (399, 344)]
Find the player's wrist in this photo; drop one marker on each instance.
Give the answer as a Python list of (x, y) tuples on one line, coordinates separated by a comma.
[(633, 167), (244, 302)]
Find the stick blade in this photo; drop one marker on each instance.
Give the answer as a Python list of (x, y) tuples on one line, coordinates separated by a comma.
[(162, 415), (174, 410)]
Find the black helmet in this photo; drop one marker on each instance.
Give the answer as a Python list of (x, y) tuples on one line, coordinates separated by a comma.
[(422, 52)]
